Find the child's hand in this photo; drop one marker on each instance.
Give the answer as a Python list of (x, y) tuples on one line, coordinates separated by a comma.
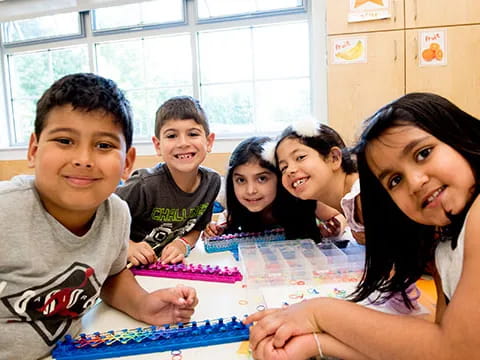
[(359, 237), (168, 306), (299, 347), (331, 227), (213, 229), (140, 253), (282, 324), (173, 253)]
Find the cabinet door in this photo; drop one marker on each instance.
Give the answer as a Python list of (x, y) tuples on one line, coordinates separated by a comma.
[(459, 79), (424, 13), (337, 18), (356, 91)]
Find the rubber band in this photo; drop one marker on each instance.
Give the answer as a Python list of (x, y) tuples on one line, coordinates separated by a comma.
[(320, 352), (188, 247)]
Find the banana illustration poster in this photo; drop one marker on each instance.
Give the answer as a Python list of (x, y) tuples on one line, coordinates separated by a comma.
[(368, 10), (433, 47), (349, 50)]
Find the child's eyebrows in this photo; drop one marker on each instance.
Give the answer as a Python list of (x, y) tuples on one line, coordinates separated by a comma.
[(110, 135), (199, 128), (62, 129)]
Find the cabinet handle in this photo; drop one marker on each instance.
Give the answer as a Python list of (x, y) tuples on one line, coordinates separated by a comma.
[(395, 54), (394, 10), (415, 10), (415, 48)]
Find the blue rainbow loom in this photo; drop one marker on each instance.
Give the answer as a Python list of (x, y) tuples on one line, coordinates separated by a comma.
[(229, 242), (150, 339)]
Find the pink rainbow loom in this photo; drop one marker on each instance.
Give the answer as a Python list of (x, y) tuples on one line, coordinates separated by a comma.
[(190, 272)]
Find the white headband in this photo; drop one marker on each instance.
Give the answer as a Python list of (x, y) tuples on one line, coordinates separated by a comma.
[(307, 127), (268, 152)]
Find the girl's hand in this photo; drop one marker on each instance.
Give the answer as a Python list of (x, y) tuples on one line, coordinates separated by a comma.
[(331, 227), (168, 306), (359, 237), (213, 229), (298, 347), (282, 324), (173, 253), (140, 253)]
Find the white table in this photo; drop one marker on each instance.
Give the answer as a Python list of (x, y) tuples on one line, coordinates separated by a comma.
[(216, 300)]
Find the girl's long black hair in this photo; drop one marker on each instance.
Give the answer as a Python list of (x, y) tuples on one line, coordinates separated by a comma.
[(296, 216), (394, 241)]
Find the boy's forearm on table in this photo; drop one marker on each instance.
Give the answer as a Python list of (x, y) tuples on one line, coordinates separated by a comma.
[(123, 292)]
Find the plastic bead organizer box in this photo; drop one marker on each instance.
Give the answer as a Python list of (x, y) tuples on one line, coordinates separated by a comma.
[(150, 339)]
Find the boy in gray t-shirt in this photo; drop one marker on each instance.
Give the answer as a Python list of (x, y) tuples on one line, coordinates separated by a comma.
[(64, 234), (172, 202)]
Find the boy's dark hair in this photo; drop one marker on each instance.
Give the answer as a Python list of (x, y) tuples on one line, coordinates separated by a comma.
[(182, 108), (86, 92), (394, 241), (322, 142), (296, 216)]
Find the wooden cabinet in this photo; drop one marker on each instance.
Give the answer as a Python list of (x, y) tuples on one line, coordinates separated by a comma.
[(355, 91), (459, 79), (427, 13), (337, 15)]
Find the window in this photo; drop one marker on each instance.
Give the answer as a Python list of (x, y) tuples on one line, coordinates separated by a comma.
[(250, 76), (31, 74), (142, 14), (211, 9), (251, 81), (42, 28), (150, 71)]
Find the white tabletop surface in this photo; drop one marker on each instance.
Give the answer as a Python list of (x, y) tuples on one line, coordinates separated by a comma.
[(216, 300)]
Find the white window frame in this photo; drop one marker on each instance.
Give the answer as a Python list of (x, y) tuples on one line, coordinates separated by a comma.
[(318, 63)]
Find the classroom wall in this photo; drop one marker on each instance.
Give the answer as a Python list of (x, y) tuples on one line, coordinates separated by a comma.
[(216, 161)]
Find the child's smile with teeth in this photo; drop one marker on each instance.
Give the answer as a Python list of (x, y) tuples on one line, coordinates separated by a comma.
[(432, 197), (299, 182), (185, 156)]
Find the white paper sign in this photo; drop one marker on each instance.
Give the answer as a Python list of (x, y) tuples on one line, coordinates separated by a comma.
[(368, 10), (349, 50), (432, 47)]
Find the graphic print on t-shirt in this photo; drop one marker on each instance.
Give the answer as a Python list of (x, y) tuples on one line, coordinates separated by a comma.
[(51, 307)]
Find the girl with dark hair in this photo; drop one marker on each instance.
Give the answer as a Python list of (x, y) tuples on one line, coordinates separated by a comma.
[(316, 165), (418, 161), (255, 199)]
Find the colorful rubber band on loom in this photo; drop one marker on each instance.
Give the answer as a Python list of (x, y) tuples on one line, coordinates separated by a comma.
[(150, 339), (190, 272)]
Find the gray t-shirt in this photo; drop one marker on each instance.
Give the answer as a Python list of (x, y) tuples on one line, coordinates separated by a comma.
[(49, 277), (160, 209)]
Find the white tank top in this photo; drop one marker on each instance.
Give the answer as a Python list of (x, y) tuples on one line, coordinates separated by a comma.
[(348, 206), (450, 263)]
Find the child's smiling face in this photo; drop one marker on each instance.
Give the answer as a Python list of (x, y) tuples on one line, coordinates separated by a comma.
[(425, 177), (79, 159), (183, 144), (255, 186), (305, 173)]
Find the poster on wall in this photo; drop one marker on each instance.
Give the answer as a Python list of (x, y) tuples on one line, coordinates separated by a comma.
[(349, 50), (368, 10), (433, 47)]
